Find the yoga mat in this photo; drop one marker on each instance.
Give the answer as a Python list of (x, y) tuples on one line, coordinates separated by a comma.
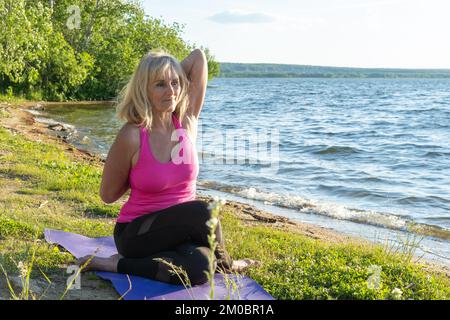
[(147, 289)]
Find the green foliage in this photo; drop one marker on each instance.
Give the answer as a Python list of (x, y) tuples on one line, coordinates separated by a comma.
[(12, 228), (213, 66), (78, 49)]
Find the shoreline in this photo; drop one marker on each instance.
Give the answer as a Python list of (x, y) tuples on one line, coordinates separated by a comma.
[(23, 122)]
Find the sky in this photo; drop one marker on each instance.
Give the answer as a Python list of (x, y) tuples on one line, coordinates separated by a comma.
[(342, 33)]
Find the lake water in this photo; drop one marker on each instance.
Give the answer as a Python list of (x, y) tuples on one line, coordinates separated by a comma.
[(374, 152)]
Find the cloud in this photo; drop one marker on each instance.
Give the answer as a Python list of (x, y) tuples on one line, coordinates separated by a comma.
[(228, 17)]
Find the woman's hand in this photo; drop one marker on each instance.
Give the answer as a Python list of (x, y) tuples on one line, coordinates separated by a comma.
[(196, 68)]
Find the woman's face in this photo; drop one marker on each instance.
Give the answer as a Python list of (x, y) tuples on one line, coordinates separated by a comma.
[(164, 92)]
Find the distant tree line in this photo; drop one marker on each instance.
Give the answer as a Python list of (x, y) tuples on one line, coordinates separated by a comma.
[(79, 49), (263, 70)]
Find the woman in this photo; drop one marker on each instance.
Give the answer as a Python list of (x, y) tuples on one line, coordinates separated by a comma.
[(154, 155)]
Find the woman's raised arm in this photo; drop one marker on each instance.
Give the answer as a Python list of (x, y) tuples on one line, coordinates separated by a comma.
[(196, 68), (118, 164)]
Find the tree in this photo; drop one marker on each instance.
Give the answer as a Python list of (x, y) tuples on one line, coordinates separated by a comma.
[(80, 49), (213, 66)]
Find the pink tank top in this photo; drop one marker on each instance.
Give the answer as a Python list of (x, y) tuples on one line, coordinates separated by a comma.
[(155, 185)]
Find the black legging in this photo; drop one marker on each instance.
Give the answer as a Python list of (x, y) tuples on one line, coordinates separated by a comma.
[(177, 234)]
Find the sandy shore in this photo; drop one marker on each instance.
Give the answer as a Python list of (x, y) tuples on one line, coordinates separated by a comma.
[(23, 122)]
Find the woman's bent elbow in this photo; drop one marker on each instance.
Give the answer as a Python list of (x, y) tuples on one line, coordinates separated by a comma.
[(106, 198)]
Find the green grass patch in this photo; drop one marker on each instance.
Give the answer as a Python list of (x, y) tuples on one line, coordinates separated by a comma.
[(10, 98), (16, 229), (297, 267), (103, 211), (49, 258)]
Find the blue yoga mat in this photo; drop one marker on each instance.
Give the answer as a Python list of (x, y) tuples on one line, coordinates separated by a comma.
[(146, 289)]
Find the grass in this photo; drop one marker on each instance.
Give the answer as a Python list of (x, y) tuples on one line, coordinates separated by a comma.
[(7, 95), (43, 186), (10, 98), (295, 267)]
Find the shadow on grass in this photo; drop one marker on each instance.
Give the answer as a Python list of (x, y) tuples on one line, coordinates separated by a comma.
[(11, 174), (101, 212)]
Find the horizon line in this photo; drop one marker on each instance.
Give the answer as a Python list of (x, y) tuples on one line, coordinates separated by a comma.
[(311, 65)]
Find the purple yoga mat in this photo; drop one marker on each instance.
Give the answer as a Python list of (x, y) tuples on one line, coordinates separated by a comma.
[(146, 289)]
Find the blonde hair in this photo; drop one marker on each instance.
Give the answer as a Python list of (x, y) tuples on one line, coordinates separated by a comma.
[(134, 105)]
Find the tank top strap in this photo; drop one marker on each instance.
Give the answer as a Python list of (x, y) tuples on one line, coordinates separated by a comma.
[(144, 140), (176, 122)]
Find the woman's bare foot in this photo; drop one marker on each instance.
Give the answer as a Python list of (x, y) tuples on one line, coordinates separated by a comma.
[(99, 264), (243, 264)]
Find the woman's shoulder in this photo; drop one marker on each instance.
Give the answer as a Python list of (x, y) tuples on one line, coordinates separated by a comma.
[(129, 135), (130, 127)]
